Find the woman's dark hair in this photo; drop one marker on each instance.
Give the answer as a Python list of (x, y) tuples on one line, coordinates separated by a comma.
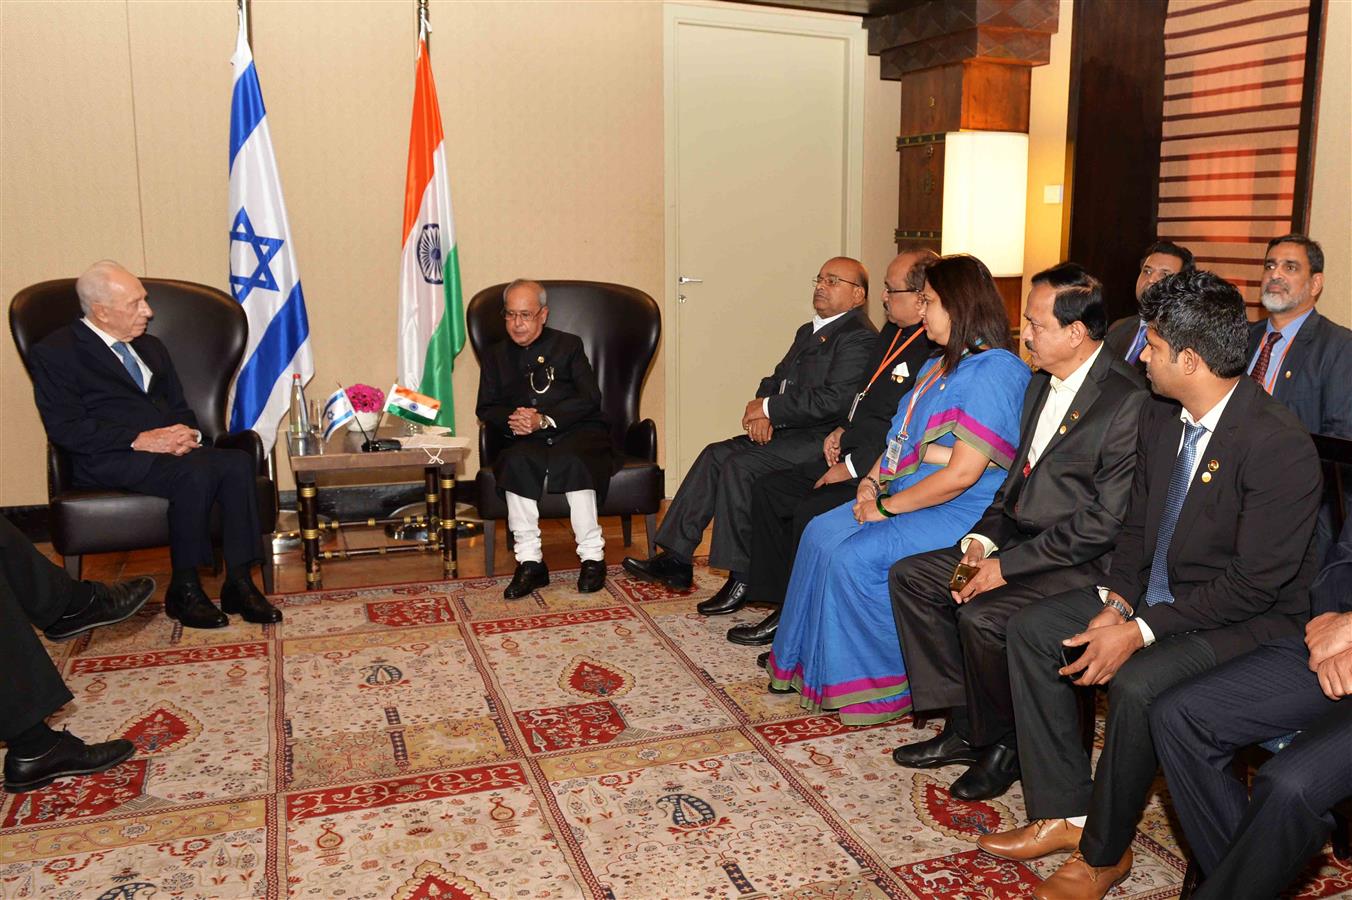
[(974, 307), (1201, 311)]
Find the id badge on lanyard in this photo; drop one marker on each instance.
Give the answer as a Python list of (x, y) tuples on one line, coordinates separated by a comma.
[(893, 455), (855, 405)]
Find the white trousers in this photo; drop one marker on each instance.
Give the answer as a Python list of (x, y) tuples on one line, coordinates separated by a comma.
[(523, 518)]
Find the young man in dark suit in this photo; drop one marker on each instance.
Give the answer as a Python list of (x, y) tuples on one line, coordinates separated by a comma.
[(1256, 846), (794, 408), (538, 392), (1126, 336), (1050, 528), (33, 591), (109, 396), (1213, 559), (783, 502)]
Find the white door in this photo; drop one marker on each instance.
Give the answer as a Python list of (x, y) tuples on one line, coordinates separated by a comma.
[(764, 154)]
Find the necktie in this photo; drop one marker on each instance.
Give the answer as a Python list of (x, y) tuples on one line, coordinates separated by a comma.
[(1137, 345), (1157, 591), (1259, 373), (129, 363)]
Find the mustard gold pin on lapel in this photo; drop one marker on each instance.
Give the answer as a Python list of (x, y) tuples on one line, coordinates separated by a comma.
[(1212, 465), (1288, 373), (1061, 430), (1206, 477), (822, 339), (539, 359), (1074, 414)]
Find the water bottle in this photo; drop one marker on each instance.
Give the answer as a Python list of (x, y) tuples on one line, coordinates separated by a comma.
[(300, 416)]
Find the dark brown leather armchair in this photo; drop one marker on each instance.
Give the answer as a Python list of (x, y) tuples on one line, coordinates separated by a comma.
[(205, 331), (619, 327)]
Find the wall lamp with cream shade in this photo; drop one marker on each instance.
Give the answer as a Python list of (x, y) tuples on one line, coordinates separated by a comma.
[(985, 198)]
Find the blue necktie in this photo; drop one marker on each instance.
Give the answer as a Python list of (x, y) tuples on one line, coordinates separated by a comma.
[(1137, 345), (129, 363), (1157, 591)]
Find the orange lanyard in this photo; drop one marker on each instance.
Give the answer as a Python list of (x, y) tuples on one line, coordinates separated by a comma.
[(919, 392), (890, 356)]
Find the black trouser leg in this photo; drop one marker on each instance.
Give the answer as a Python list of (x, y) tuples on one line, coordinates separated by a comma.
[(927, 628), (774, 500), (691, 510), (192, 484), (730, 545)]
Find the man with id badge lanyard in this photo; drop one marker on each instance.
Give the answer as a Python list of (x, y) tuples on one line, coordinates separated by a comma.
[(783, 502)]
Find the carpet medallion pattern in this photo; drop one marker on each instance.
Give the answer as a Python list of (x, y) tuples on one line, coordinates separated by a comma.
[(437, 741)]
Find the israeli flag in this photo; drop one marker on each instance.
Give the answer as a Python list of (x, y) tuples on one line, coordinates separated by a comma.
[(338, 412), (263, 274)]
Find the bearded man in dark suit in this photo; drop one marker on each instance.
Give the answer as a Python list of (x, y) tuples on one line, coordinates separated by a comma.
[(1214, 558), (109, 396)]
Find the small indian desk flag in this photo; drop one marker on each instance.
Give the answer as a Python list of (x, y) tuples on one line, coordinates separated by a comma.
[(411, 405)]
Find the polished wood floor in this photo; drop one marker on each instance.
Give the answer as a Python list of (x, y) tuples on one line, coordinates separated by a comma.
[(289, 569)]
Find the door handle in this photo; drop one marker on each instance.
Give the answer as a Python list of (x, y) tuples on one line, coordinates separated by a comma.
[(685, 279)]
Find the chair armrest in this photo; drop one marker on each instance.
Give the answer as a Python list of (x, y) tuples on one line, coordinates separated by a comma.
[(641, 440), (249, 442), (58, 471)]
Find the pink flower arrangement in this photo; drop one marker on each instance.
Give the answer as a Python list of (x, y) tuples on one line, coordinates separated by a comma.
[(365, 398)]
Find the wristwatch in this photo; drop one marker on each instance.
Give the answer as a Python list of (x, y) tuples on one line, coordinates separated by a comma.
[(1120, 607)]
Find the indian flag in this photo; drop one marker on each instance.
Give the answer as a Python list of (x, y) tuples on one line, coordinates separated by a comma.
[(411, 405), (431, 312)]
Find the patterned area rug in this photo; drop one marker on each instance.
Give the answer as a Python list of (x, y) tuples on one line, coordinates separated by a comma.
[(436, 741)]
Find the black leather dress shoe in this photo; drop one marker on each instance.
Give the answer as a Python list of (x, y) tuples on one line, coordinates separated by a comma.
[(662, 568), (763, 632), (70, 756), (945, 749), (529, 576), (763, 660), (731, 597), (994, 772), (779, 690), (241, 598), (592, 577), (110, 604), (190, 605)]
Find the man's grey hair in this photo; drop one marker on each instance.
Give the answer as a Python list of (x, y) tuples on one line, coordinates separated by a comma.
[(523, 282), (95, 284)]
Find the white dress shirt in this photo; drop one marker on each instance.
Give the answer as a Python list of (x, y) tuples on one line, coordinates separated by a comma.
[(1059, 398), (1209, 422)]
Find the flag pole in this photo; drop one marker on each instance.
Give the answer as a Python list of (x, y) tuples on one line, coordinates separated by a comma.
[(243, 7), (424, 24)]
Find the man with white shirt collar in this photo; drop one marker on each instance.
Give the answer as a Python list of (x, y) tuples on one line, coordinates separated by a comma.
[(109, 396), (1050, 528), (1214, 558), (793, 410)]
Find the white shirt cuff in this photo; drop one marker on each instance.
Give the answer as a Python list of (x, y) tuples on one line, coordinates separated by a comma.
[(981, 539), (849, 466), (1146, 634), (765, 406)]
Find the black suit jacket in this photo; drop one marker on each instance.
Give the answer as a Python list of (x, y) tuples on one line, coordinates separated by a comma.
[(93, 410), (1241, 560), (571, 398), (1316, 377), (815, 382), (1068, 511), (1119, 339), (865, 435)]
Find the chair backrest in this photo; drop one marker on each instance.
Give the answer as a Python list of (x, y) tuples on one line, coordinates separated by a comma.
[(1335, 454), (619, 327), (204, 330)]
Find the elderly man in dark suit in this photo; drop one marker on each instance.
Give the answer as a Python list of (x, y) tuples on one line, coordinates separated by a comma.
[(1297, 355), (538, 390), (794, 408), (783, 502), (1126, 336), (1256, 846), (35, 592), (1050, 528), (1214, 558), (109, 396)]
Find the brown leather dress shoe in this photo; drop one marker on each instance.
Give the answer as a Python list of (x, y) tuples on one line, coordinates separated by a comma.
[(1077, 880), (1038, 838)]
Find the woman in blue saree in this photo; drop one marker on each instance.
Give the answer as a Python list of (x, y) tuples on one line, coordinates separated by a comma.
[(952, 440)]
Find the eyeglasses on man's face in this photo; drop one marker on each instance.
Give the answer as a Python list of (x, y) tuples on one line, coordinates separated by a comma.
[(833, 280), (514, 316), (891, 291)]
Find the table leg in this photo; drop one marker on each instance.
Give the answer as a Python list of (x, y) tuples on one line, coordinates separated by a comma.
[(449, 557), (430, 474), (307, 511)]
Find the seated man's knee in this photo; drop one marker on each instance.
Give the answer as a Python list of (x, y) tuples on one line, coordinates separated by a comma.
[(1280, 780), (1132, 686), (978, 623)]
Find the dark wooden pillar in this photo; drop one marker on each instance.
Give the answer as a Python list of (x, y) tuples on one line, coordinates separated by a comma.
[(1113, 128), (963, 65)]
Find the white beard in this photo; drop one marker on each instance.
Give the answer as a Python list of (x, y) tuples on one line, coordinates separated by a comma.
[(1278, 303)]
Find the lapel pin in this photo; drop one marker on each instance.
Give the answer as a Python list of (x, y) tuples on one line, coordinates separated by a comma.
[(1288, 373), (822, 338), (1074, 414), (1212, 466), (1206, 477), (1061, 430), (539, 359)]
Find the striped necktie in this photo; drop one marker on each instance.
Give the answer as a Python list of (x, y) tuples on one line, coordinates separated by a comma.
[(130, 364), (1260, 366), (1157, 591)]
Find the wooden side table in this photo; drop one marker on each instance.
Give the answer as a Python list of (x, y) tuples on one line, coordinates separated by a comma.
[(438, 456)]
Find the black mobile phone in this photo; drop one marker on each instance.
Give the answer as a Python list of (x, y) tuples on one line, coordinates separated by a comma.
[(1070, 654)]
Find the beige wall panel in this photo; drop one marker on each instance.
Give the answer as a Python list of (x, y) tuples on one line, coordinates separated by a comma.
[(68, 183), (882, 122), (1047, 112), (1330, 223)]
